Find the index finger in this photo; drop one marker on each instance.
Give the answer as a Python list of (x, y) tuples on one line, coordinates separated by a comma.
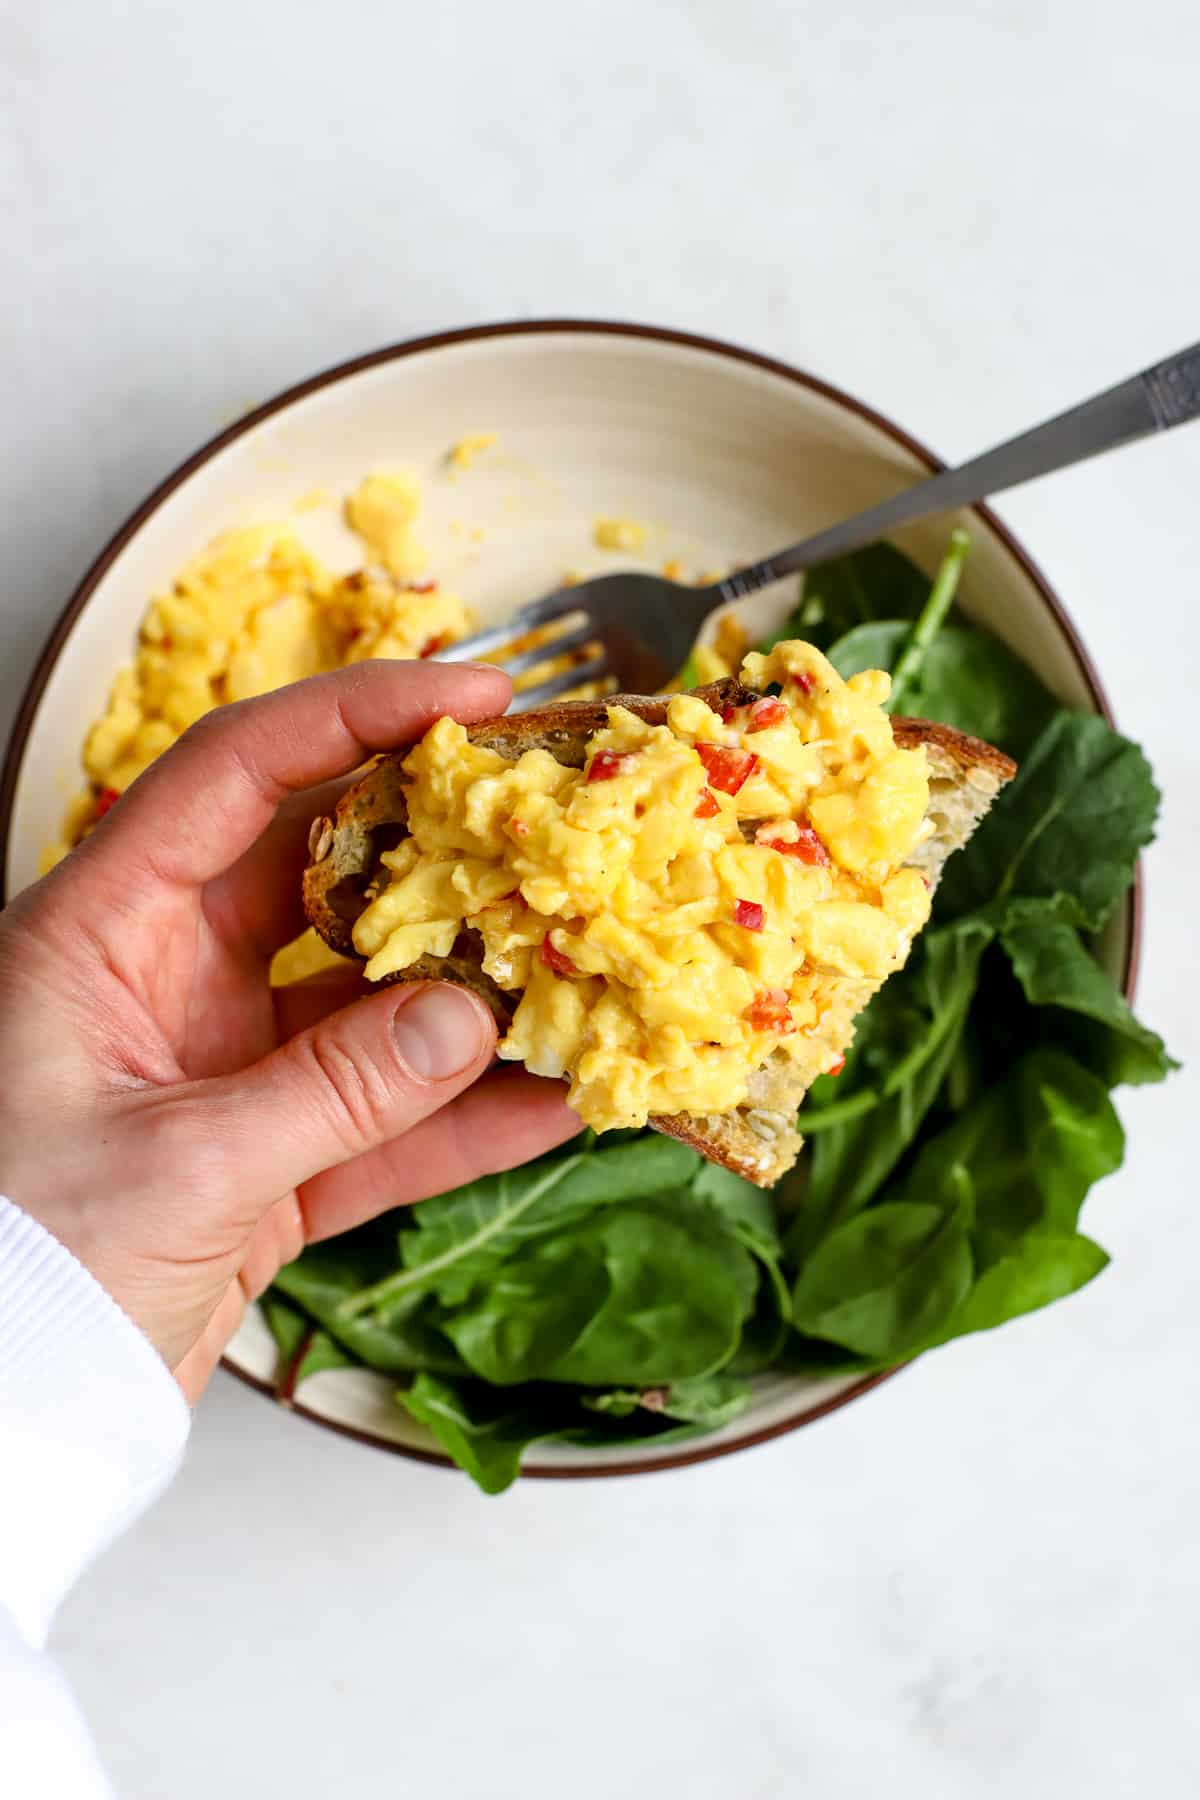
[(205, 801)]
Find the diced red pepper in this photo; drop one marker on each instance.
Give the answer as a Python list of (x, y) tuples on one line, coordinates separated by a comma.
[(805, 682), (765, 713), (729, 714), (555, 961), (421, 587), (518, 827), (105, 799), (807, 847), (432, 645), (706, 806), (836, 1066), (748, 914), (607, 763), (769, 1011), (728, 769)]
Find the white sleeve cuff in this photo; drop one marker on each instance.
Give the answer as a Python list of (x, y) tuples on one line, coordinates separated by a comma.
[(92, 1423)]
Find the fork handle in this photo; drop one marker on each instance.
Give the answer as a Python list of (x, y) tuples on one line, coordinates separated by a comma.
[(1164, 395)]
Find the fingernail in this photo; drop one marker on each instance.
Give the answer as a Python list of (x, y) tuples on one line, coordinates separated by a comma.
[(483, 667), (439, 1032)]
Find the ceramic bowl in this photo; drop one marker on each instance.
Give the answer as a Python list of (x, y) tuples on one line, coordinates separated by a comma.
[(723, 455)]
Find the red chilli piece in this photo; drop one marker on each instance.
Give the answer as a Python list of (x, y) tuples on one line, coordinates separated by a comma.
[(555, 961), (748, 914), (608, 763), (727, 769), (707, 806), (729, 714), (518, 827), (806, 683), (106, 799), (836, 1066), (807, 847), (432, 645), (769, 1011), (765, 713), (421, 587)]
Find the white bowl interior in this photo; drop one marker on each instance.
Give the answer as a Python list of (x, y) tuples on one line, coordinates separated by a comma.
[(723, 459)]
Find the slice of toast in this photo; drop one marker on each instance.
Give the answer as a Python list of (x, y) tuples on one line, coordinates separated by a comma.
[(757, 1140)]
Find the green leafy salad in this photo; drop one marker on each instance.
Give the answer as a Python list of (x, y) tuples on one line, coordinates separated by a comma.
[(622, 1289)]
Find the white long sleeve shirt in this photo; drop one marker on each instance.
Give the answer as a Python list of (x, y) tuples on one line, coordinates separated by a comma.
[(92, 1428)]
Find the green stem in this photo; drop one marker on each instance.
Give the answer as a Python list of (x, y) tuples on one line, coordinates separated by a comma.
[(930, 619), (950, 1019), (958, 1079), (839, 1112)]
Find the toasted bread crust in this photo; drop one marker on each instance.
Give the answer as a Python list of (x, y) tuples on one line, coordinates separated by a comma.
[(757, 1140), (958, 747)]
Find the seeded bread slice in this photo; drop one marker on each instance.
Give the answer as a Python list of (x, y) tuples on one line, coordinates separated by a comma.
[(758, 1139)]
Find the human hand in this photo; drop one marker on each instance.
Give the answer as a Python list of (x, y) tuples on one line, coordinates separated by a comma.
[(183, 1128)]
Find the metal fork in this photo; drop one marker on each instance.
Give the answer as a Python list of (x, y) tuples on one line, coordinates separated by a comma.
[(644, 626)]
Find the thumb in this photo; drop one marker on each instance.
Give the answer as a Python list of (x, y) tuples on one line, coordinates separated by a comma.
[(357, 1079)]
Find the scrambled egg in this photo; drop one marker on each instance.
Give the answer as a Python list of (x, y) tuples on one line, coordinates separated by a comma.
[(723, 654), (382, 510), (463, 454), (702, 896), (619, 534)]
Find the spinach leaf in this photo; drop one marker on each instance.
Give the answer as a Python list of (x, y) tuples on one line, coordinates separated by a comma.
[(707, 1400), (884, 1282), (462, 1237), (750, 1214), (287, 1325), (304, 1349), (903, 1047), (1056, 970), (746, 1209), (967, 679), (879, 582), (1024, 1155), (1067, 830), (765, 1331), (1033, 1272), (483, 1430), (326, 1277), (630, 1295)]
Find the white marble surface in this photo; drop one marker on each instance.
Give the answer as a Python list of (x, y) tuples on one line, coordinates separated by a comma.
[(981, 1581)]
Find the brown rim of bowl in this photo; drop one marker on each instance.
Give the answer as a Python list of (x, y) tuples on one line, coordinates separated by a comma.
[(44, 666)]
